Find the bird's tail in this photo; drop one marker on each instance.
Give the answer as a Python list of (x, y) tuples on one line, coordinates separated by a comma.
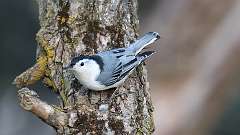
[(143, 41), (143, 56)]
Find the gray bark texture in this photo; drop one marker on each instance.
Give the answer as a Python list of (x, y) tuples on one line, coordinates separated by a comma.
[(74, 27)]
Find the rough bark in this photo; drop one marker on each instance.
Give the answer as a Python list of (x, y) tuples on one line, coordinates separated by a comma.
[(74, 27)]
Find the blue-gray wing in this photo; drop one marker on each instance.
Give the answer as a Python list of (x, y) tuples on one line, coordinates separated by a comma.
[(118, 63), (125, 65)]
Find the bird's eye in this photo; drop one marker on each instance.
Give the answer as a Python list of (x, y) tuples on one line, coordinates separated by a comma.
[(82, 64)]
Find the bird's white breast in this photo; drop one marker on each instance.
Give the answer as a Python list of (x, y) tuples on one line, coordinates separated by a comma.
[(88, 78), (93, 85)]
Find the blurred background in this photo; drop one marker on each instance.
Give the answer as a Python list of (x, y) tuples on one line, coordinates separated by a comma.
[(194, 77)]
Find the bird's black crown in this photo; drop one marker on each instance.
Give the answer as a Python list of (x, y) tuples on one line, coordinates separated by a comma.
[(97, 58)]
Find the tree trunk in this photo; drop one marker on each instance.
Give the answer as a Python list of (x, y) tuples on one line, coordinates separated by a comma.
[(70, 28)]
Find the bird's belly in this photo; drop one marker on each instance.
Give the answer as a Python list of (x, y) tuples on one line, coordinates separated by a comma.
[(93, 85), (97, 86), (89, 82)]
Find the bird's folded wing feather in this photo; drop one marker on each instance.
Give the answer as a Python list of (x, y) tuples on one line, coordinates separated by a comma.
[(124, 66)]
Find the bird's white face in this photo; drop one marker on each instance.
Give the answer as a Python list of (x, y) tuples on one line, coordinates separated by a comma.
[(86, 70), (83, 66)]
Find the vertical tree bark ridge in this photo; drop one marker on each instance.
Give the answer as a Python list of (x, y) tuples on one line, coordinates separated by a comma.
[(73, 27)]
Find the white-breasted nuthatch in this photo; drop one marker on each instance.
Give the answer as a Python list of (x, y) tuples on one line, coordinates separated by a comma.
[(109, 69)]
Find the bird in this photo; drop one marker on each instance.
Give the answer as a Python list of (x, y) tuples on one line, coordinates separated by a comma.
[(109, 69)]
